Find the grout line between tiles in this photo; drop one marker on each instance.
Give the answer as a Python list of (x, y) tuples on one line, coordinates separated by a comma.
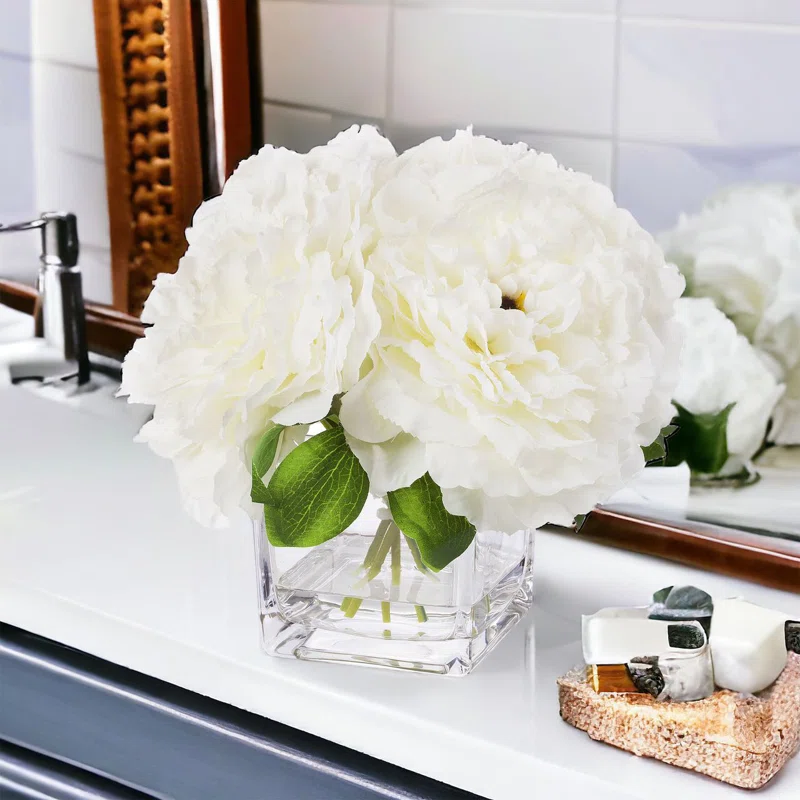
[(615, 105), (388, 111), (57, 63), (312, 109), (453, 6), (16, 56), (711, 24), (441, 129)]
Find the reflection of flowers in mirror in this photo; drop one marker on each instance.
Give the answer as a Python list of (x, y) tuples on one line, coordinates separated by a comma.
[(742, 249)]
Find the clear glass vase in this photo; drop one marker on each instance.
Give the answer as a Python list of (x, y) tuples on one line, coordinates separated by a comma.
[(365, 597)]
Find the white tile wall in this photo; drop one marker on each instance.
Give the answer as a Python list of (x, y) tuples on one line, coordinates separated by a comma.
[(562, 6), (74, 183), (702, 84), (18, 253), (15, 27), (16, 130), (302, 129), (67, 110), (583, 154), (325, 55), (664, 100), (767, 11), (594, 156), (51, 142), (63, 31), (514, 70), (658, 181), (96, 272)]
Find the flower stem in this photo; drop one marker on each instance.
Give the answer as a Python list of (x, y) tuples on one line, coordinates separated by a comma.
[(387, 544), (416, 555), (355, 604), (396, 560), (379, 549)]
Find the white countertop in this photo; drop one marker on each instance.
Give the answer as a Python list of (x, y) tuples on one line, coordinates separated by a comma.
[(95, 552)]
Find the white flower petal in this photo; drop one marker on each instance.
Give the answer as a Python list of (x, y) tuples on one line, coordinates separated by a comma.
[(309, 408), (719, 367), (391, 465)]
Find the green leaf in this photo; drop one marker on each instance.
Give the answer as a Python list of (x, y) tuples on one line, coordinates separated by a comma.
[(682, 603), (701, 440), (655, 453), (661, 595), (315, 492), (688, 597), (420, 514), (262, 461)]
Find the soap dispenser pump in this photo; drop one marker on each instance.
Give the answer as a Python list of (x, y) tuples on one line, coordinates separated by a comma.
[(60, 316)]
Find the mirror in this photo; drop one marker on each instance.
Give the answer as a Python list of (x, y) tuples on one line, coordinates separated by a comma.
[(102, 117), (679, 107), (674, 106)]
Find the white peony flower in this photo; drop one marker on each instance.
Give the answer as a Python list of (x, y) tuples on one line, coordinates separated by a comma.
[(719, 367), (528, 345), (269, 315), (743, 251)]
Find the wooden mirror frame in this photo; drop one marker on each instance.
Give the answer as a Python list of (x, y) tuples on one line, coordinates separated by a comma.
[(151, 58)]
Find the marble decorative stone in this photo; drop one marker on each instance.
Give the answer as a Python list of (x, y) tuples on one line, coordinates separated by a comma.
[(628, 652), (793, 635), (681, 603), (748, 645), (735, 738)]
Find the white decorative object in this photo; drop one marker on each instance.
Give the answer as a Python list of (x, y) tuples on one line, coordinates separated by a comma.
[(677, 652), (720, 367), (748, 645), (743, 251)]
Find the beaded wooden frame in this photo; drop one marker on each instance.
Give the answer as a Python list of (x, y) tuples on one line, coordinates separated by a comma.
[(145, 207), (151, 129)]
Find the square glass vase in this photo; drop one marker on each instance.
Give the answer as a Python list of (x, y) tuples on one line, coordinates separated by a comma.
[(322, 604)]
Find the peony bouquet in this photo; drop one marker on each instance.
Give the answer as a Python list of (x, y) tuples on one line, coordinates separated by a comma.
[(469, 332)]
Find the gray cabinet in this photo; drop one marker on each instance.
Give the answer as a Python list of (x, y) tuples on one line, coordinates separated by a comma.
[(122, 731)]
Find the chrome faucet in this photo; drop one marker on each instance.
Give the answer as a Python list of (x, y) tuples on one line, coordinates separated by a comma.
[(60, 316)]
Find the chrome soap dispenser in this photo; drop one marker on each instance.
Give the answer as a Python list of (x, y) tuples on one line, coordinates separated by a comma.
[(60, 317)]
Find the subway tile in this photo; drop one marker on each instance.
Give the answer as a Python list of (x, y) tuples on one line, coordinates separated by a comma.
[(593, 156), (69, 182), (63, 31), (560, 6), (761, 11), (522, 71), (15, 29), (19, 256), (301, 129), (704, 84), (67, 112), (95, 263), (17, 188), (657, 182), (326, 55), (19, 253)]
